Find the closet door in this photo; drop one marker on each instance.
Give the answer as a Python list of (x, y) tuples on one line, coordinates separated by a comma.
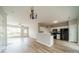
[(3, 33)]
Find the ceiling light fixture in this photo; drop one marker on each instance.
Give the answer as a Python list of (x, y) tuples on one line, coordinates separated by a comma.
[(55, 22), (33, 15)]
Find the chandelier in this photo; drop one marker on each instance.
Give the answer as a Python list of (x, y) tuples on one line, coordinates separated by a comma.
[(33, 15)]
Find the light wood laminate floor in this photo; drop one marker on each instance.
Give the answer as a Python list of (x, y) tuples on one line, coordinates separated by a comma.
[(28, 45)]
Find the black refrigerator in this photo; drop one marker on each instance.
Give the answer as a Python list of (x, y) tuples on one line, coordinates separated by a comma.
[(64, 34)]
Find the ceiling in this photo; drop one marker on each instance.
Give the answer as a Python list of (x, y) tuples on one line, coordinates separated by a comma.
[(46, 14)]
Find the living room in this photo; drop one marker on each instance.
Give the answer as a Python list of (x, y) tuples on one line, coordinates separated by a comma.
[(50, 24)]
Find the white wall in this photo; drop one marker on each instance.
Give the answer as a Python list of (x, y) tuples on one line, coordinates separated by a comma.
[(45, 29), (78, 30), (33, 28), (3, 33), (59, 27), (73, 30)]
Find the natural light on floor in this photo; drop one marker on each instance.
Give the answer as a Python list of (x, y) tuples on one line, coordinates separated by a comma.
[(14, 38)]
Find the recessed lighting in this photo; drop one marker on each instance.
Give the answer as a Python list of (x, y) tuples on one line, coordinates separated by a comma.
[(55, 21)]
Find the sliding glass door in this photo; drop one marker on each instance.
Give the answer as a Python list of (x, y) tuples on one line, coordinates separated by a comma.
[(16, 34)]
